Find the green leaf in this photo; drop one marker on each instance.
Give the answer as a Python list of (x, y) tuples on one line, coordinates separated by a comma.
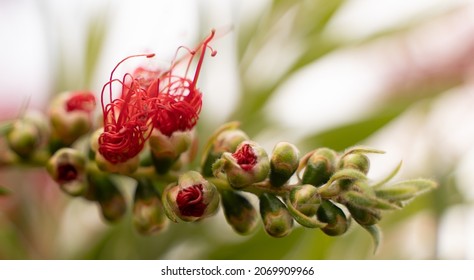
[(301, 218), (376, 234), (404, 190), (97, 31), (363, 200)]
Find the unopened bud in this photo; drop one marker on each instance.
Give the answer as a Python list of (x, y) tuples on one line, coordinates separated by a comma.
[(283, 163), (364, 216), (356, 161), (319, 167), (248, 165), (192, 199), (277, 221), (27, 134), (148, 214), (166, 150), (337, 222), (305, 199), (239, 212), (111, 201), (67, 168)]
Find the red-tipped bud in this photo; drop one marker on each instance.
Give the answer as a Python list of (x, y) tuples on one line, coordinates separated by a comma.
[(192, 199), (71, 115), (249, 164)]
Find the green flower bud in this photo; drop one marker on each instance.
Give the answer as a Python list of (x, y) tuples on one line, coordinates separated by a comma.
[(283, 163), (67, 168), (239, 212), (319, 167), (337, 222), (356, 161), (166, 150), (70, 116), (193, 198), (364, 216), (27, 134), (111, 201), (225, 140), (305, 199), (148, 214), (277, 221), (248, 165)]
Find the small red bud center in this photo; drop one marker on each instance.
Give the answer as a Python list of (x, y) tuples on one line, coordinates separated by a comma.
[(245, 157), (190, 201), (66, 173), (81, 101)]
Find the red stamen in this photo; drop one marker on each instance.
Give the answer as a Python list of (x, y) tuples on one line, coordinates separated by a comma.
[(189, 201), (245, 157)]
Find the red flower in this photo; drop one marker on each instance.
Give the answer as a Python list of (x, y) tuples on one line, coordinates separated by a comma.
[(190, 201), (245, 157), (181, 101), (127, 123)]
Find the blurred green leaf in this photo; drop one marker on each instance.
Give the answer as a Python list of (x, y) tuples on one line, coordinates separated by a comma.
[(96, 34)]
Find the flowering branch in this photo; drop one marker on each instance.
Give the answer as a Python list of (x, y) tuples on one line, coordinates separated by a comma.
[(147, 134)]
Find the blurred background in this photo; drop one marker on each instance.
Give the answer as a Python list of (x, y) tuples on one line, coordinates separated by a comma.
[(394, 75)]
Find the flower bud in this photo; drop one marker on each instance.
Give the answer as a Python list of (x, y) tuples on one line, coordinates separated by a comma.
[(319, 167), (192, 199), (239, 212), (248, 165), (277, 221), (283, 163), (71, 115), (148, 214), (27, 134), (111, 201), (356, 161), (67, 168), (305, 199), (166, 150), (337, 222), (225, 140), (364, 216)]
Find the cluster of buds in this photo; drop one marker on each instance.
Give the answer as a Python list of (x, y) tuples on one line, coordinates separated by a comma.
[(323, 189), (147, 134)]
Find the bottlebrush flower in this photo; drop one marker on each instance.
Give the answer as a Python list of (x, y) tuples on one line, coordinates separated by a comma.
[(67, 168), (127, 120), (177, 95)]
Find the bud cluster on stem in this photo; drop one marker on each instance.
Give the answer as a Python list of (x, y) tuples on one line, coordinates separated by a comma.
[(147, 134)]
